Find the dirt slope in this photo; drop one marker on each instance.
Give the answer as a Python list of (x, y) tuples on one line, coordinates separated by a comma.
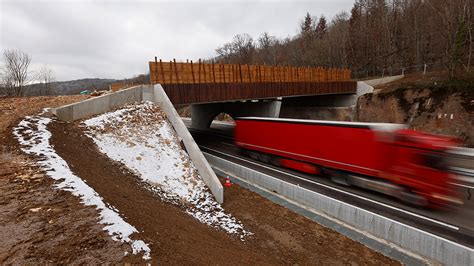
[(280, 236), (39, 224)]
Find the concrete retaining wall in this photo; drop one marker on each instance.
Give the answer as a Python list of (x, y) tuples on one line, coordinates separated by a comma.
[(192, 148), (157, 95), (98, 105), (404, 236)]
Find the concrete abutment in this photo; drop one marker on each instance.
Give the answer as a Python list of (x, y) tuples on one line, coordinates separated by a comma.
[(156, 94)]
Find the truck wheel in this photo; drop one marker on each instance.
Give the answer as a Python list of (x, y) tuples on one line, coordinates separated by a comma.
[(265, 158), (337, 177), (340, 179), (413, 198), (275, 161), (254, 155), (242, 151)]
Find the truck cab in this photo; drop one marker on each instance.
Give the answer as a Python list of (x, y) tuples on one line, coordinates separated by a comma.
[(421, 165)]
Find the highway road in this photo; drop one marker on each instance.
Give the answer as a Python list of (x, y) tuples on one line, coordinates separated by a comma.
[(456, 225)]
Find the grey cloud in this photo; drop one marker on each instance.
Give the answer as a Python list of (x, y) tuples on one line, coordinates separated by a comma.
[(115, 39)]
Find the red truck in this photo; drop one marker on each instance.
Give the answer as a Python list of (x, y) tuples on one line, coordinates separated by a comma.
[(387, 158)]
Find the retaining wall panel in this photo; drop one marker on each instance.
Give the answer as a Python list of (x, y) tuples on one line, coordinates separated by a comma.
[(123, 97), (192, 148), (148, 94), (66, 113), (91, 107)]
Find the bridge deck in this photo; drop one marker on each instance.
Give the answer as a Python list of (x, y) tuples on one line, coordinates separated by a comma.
[(187, 83)]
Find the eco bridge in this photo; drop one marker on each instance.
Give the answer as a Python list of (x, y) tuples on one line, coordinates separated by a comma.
[(193, 83)]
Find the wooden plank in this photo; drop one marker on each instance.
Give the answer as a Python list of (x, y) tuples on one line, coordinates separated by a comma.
[(182, 72)]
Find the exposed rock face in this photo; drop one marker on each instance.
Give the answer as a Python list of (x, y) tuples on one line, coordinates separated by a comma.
[(439, 110)]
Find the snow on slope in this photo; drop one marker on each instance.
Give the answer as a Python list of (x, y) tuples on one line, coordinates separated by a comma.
[(33, 136), (140, 137)]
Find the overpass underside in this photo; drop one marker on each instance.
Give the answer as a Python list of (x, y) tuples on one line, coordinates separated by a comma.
[(180, 94), (203, 114)]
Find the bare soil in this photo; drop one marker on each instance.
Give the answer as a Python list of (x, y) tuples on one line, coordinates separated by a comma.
[(40, 224), (429, 103)]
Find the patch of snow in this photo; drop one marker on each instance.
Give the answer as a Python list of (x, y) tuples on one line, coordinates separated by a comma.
[(140, 137), (33, 135)]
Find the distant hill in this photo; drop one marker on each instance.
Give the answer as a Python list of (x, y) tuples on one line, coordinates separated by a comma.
[(69, 87), (78, 85)]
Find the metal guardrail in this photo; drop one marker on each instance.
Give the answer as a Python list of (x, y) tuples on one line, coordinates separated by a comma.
[(461, 161)]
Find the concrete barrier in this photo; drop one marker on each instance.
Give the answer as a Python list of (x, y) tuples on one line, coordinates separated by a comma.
[(192, 148), (405, 237), (156, 94), (379, 81), (363, 88), (98, 105)]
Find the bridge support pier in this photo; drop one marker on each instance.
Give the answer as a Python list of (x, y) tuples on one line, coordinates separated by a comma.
[(203, 114), (339, 107)]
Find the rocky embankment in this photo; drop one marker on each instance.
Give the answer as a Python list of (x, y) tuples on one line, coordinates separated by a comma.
[(440, 108)]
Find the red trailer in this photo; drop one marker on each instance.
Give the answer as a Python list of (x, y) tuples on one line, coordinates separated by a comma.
[(383, 157)]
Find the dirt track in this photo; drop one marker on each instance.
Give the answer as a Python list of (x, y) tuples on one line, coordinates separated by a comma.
[(281, 237)]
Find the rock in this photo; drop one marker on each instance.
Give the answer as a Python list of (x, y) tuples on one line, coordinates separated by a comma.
[(35, 209)]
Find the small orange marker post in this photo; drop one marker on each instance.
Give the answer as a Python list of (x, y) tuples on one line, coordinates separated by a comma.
[(227, 182)]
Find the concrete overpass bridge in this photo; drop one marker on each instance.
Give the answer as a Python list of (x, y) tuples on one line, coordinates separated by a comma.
[(243, 90)]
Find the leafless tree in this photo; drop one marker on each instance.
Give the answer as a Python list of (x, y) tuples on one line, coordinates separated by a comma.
[(6, 83), (377, 36), (46, 77), (266, 45), (15, 72), (240, 50)]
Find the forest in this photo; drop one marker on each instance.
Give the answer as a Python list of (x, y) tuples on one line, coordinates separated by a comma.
[(377, 37)]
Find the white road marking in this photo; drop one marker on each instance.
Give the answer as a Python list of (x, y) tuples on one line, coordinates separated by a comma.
[(227, 144), (210, 133), (341, 191)]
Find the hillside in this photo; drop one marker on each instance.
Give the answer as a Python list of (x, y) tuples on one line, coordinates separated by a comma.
[(430, 103), (72, 87), (68, 87)]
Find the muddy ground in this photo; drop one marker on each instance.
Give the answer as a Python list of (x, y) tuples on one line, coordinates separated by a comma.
[(40, 224)]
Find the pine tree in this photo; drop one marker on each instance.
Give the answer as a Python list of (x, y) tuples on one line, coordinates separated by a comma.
[(306, 25), (322, 27)]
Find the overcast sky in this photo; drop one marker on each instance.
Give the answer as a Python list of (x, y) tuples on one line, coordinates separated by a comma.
[(116, 39)]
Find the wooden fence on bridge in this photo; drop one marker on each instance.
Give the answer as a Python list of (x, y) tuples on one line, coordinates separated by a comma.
[(195, 73), (189, 82)]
